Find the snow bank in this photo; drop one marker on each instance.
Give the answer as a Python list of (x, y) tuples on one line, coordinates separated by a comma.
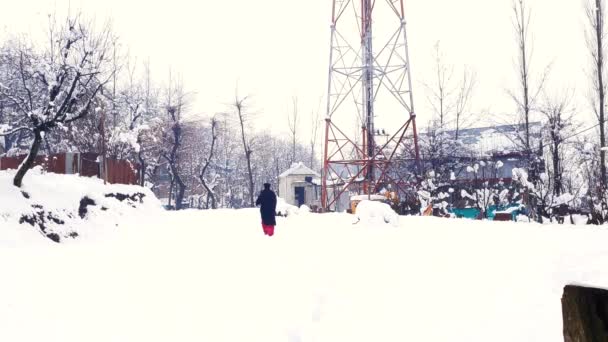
[(304, 209), (285, 209), (63, 207), (374, 212)]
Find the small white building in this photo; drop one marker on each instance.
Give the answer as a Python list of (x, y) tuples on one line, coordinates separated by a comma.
[(300, 185)]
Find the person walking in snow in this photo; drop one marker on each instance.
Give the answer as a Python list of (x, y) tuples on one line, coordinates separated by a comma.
[(267, 200)]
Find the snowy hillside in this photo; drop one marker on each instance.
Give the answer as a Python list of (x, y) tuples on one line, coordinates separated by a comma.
[(214, 276)]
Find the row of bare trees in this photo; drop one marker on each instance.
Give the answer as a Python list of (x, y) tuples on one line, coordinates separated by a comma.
[(561, 141), (222, 161), (79, 92), (549, 125)]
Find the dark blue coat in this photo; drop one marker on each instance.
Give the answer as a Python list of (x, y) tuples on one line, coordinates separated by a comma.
[(268, 205)]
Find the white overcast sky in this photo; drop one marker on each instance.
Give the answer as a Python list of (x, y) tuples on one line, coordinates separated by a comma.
[(276, 49)]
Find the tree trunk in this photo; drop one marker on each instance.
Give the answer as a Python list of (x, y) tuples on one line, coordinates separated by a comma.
[(179, 196), (142, 172), (212, 197), (171, 190), (142, 163), (209, 192), (293, 149), (29, 160), (207, 163), (172, 161), (557, 175), (599, 31), (312, 156), (524, 75), (247, 155), (250, 178), (522, 30)]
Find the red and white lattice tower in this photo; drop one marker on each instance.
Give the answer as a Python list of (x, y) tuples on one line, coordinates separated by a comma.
[(370, 135)]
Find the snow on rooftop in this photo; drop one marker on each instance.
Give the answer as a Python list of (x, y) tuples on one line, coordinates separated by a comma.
[(299, 169), (493, 139)]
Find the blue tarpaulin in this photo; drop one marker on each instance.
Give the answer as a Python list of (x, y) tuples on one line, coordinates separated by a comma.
[(470, 213), (473, 213)]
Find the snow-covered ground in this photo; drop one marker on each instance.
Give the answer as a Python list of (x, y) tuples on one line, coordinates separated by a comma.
[(214, 276)]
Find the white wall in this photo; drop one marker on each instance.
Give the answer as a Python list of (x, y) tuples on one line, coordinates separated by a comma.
[(287, 187)]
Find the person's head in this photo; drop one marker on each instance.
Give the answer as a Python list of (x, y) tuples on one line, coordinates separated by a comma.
[(266, 186)]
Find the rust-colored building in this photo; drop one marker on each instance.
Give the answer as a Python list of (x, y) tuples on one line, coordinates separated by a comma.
[(83, 164)]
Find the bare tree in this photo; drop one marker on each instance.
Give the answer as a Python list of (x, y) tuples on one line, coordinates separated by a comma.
[(174, 139), (559, 121), (522, 21), (241, 111), (313, 137), (293, 121), (450, 99), (59, 86), (127, 103), (225, 151), (525, 97), (463, 100), (595, 41), (440, 90), (208, 160), (171, 156), (141, 136)]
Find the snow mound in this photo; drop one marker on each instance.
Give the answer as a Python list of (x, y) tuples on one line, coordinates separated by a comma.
[(64, 207), (304, 209), (579, 220), (285, 209), (374, 212)]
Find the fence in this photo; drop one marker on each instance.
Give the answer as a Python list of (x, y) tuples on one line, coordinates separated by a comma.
[(84, 164), (122, 172)]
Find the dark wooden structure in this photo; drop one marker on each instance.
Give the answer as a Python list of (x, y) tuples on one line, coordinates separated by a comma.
[(585, 314), (83, 164)]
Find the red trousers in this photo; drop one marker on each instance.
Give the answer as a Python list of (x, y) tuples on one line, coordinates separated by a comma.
[(268, 229)]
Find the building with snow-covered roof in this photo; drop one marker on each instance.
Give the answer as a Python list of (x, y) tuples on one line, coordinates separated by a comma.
[(300, 185), (492, 151), (487, 141), (498, 140)]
